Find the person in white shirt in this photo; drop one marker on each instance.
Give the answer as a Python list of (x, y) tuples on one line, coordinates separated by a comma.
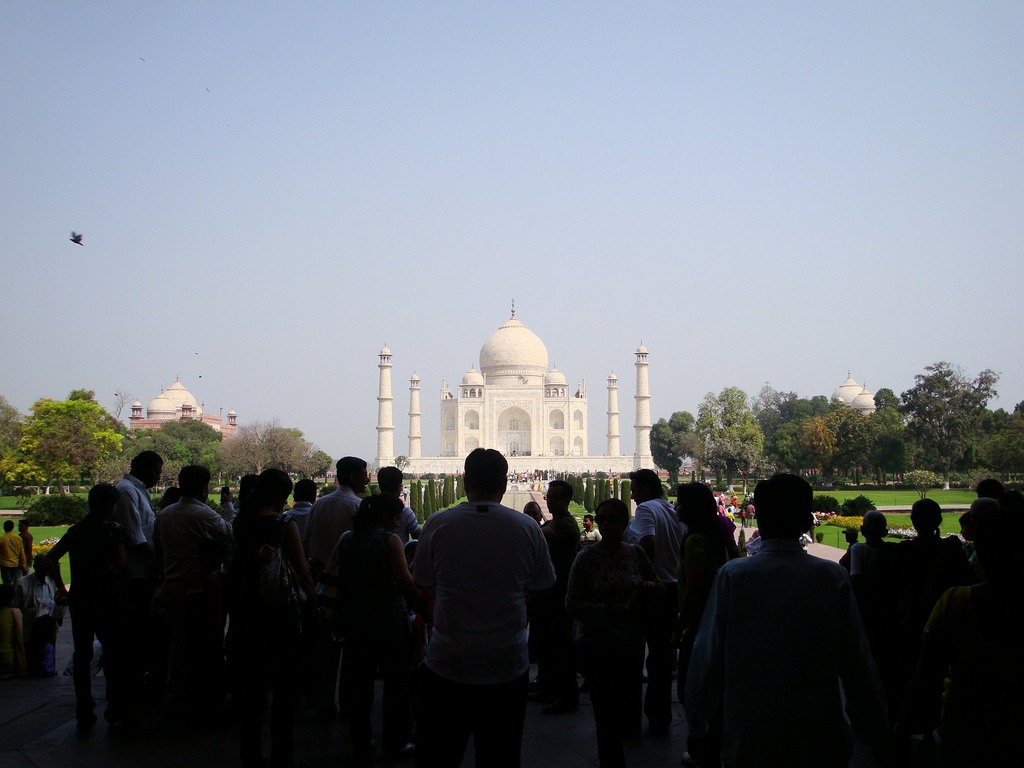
[(302, 504), (656, 529), (790, 607), (330, 517), (179, 532), (481, 557), (34, 595), (389, 480), (135, 514)]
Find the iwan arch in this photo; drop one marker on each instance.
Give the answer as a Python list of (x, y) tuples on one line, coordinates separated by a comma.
[(516, 405)]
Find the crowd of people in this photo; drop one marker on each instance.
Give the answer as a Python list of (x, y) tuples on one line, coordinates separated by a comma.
[(205, 614)]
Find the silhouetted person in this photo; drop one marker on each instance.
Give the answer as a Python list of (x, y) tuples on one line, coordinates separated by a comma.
[(557, 670), (657, 530), (798, 613), (331, 516), (989, 488), (135, 515), (923, 568), (968, 656), (302, 504), (98, 603), (391, 481), (482, 557)]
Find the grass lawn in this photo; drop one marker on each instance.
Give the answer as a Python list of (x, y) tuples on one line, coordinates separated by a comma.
[(39, 533), (834, 535), (905, 498)]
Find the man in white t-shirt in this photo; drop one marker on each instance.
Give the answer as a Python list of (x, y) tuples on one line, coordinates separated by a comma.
[(481, 557), (657, 530)]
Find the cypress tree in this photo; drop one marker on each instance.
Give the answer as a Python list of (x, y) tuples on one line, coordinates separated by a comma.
[(432, 495), (588, 497), (624, 488), (460, 487)]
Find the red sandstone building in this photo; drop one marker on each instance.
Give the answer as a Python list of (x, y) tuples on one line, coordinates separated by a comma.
[(177, 403)]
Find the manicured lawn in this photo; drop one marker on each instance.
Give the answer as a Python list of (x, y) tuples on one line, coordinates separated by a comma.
[(833, 535), (9, 502), (52, 532), (905, 498)]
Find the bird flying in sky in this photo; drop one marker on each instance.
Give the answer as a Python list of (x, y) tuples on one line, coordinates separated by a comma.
[(76, 238)]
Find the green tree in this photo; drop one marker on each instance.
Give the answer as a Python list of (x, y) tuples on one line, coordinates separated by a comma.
[(945, 409), (731, 437), (10, 436), (852, 444), (818, 445), (888, 440), (64, 439), (672, 441)]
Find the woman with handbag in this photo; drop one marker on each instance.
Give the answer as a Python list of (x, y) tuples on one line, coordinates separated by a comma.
[(271, 591)]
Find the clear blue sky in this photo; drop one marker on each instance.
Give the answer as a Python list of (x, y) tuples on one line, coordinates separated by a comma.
[(759, 192)]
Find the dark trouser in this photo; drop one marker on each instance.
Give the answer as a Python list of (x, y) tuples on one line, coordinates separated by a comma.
[(10, 575), (267, 663), (363, 655), (39, 660), (555, 655), (616, 689), (660, 623), (327, 658), (450, 712), (88, 621), (140, 662)]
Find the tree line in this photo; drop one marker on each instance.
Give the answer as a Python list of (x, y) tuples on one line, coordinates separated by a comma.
[(74, 440), (942, 425)]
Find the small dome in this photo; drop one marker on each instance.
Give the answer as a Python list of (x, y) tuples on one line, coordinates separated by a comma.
[(848, 390), (232, 413), (554, 376), (641, 350), (472, 378), (513, 350), (414, 377), (612, 376), (159, 406), (385, 351), (864, 402), (180, 396), (136, 404)]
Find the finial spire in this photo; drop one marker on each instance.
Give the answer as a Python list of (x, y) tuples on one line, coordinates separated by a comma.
[(513, 307)]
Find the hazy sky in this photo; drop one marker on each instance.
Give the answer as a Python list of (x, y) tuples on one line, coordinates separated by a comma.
[(269, 192)]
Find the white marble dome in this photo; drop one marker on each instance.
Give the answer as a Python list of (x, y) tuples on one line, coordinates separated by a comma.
[(168, 404), (555, 376), (847, 391), (864, 402), (513, 350), (472, 378)]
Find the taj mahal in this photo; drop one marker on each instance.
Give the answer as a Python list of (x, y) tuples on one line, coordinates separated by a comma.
[(515, 404)]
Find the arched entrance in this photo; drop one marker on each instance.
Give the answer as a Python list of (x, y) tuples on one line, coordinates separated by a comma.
[(514, 432)]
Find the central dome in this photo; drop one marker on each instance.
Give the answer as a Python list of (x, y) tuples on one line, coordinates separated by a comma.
[(513, 350)]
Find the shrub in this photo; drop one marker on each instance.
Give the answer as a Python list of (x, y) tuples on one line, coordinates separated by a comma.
[(824, 503), (857, 506), (819, 537), (56, 510)]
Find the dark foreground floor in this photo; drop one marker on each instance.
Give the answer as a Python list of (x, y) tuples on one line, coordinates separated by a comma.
[(37, 728)]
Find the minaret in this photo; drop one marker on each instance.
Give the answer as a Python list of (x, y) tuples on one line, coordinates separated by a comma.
[(385, 424), (414, 417), (613, 414), (642, 450)]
